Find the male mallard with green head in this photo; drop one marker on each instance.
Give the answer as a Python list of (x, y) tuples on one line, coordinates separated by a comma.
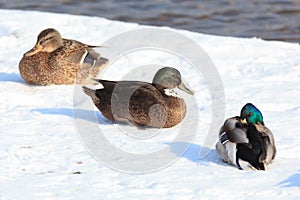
[(245, 138), (142, 103), (55, 60)]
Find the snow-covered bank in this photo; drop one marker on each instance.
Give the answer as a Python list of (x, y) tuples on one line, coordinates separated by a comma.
[(41, 155)]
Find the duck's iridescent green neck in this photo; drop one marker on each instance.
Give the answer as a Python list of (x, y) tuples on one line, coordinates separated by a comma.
[(251, 114)]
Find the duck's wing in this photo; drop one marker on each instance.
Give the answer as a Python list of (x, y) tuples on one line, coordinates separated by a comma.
[(128, 100), (83, 54), (121, 86), (238, 135), (269, 149), (233, 131), (92, 58)]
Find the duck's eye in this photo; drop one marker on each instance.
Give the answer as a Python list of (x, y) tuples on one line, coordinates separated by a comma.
[(250, 114), (42, 42)]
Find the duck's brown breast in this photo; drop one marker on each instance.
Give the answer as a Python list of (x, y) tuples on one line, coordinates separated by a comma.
[(34, 69)]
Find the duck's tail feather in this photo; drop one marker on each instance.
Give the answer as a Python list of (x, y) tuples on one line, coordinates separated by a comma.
[(98, 80), (107, 85), (101, 62), (94, 59), (88, 91), (97, 46)]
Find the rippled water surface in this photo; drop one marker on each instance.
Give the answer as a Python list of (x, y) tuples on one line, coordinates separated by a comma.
[(268, 19)]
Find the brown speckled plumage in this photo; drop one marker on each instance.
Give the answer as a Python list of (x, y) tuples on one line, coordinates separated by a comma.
[(54, 60), (140, 103)]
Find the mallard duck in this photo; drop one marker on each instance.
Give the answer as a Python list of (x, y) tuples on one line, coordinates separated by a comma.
[(55, 60), (246, 138), (140, 103)]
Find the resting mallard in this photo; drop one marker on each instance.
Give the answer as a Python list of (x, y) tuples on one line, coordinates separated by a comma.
[(54, 60), (142, 103), (245, 138)]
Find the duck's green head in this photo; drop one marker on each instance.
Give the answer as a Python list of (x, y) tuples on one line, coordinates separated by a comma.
[(251, 114), (170, 78)]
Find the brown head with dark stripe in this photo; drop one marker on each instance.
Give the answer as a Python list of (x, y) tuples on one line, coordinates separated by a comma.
[(48, 41)]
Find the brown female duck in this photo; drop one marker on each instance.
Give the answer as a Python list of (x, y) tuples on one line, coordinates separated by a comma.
[(142, 103), (55, 60)]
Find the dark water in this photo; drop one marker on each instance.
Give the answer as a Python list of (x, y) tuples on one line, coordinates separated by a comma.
[(267, 19)]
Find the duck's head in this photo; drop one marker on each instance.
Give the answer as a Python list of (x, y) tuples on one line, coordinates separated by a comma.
[(251, 114), (48, 41), (170, 78)]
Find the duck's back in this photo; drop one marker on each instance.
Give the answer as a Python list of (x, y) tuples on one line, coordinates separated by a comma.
[(269, 149), (77, 62)]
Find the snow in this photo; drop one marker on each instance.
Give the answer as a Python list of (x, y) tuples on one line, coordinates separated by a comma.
[(41, 153)]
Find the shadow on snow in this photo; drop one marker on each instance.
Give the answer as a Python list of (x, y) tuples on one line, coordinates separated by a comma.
[(88, 115), (11, 77), (192, 153), (291, 181)]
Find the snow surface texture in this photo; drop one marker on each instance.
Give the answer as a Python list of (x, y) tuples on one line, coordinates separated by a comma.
[(41, 155)]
